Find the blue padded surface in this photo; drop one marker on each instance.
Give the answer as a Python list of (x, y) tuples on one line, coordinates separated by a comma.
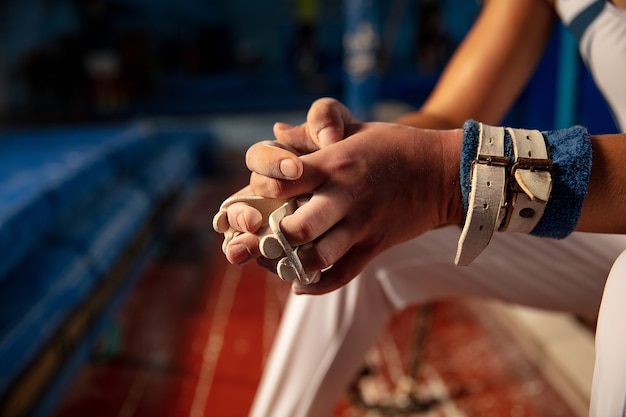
[(43, 172), (127, 152), (200, 138), (22, 221), (71, 158), (77, 182), (35, 299), (49, 153), (33, 161), (166, 171), (103, 227), (84, 192)]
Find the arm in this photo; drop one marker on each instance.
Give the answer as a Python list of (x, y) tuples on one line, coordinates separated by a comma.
[(412, 171), (604, 208), (491, 66), (409, 183)]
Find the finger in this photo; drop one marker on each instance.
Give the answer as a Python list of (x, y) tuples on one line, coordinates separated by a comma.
[(242, 248), (229, 235), (269, 159), (244, 218), (282, 129), (340, 274), (269, 264), (326, 121), (323, 211), (328, 249), (295, 138), (312, 177), (220, 221)]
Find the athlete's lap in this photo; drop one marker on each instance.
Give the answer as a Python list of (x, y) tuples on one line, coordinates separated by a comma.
[(566, 274)]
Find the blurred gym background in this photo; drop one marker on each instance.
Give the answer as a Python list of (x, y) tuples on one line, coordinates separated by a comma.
[(122, 127), (83, 61)]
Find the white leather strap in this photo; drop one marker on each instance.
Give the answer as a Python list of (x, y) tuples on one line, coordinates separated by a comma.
[(487, 195), (531, 181), (289, 267)]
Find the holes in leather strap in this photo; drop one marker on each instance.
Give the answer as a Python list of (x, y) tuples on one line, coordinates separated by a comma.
[(527, 213)]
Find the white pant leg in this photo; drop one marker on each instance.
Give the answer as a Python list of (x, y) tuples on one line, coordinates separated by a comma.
[(310, 363), (608, 392), (322, 339)]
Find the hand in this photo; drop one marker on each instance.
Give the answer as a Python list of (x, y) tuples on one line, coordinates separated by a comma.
[(327, 121), (382, 185)]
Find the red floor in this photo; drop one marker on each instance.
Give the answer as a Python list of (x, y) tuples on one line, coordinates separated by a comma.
[(191, 339)]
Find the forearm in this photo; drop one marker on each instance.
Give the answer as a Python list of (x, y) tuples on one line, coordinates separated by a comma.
[(424, 120), (604, 207)]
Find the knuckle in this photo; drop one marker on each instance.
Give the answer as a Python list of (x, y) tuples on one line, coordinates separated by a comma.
[(260, 152), (303, 232), (315, 258), (324, 112), (275, 188), (267, 187)]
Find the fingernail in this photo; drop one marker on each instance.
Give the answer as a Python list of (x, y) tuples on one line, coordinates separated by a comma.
[(325, 136), (238, 254), (288, 168)]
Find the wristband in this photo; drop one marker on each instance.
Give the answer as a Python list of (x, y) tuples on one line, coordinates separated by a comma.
[(546, 179)]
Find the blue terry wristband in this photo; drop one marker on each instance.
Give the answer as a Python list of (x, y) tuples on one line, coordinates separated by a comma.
[(570, 152)]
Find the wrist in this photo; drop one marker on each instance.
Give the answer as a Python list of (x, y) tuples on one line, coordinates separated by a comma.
[(453, 208)]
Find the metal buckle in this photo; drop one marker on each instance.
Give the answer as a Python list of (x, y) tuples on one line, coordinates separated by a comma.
[(532, 164), (492, 160)]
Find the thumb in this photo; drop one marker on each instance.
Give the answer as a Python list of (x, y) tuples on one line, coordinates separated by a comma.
[(327, 120)]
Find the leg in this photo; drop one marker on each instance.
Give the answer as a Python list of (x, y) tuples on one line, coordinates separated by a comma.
[(313, 357), (608, 393), (322, 340)]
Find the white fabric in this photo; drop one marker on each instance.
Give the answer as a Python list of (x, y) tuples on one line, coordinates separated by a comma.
[(603, 48), (608, 396), (569, 9), (322, 339), (605, 43)]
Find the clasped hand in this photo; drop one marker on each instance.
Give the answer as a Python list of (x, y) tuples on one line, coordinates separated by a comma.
[(372, 186)]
